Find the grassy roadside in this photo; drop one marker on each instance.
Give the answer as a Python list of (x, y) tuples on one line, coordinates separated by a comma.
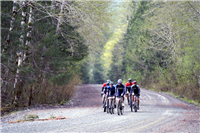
[(190, 101)]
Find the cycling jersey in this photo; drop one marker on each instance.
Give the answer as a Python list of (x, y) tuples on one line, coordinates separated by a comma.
[(136, 90), (111, 91), (120, 89), (105, 89), (104, 85), (128, 86)]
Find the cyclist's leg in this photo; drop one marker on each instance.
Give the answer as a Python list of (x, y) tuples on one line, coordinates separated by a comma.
[(127, 95), (109, 99), (122, 100), (103, 99), (117, 101), (138, 100), (132, 97)]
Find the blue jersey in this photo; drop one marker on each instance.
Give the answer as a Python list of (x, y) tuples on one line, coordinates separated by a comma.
[(111, 91), (105, 89), (120, 89)]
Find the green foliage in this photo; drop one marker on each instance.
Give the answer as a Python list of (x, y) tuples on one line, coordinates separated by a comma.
[(98, 73), (162, 47), (52, 58)]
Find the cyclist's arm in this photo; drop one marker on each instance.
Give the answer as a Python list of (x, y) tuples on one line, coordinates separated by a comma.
[(102, 88), (124, 90), (126, 87), (138, 89)]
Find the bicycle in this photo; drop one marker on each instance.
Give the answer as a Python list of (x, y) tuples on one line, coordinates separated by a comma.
[(135, 105), (106, 103), (120, 108), (130, 102), (112, 106)]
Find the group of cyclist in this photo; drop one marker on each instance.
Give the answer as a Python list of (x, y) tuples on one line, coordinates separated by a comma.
[(119, 90)]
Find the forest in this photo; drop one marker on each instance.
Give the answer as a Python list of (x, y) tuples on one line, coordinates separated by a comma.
[(50, 47)]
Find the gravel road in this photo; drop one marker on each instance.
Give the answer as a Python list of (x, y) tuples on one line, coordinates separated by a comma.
[(158, 112)]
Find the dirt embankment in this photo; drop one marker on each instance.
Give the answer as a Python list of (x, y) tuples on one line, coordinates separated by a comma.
[(87, 96)]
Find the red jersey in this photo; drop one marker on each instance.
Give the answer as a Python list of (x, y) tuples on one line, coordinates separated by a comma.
[(129, 84), (104, 85)]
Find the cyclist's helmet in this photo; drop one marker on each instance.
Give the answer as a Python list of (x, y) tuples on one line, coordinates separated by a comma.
[(107, 83), (119, 81), (134, 82), (111, 83), (129, 80)]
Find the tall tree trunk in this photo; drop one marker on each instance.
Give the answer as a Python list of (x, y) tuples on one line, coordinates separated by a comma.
[(19, 53), (14, 13), (28, 44), (29, 32), (60, 18)]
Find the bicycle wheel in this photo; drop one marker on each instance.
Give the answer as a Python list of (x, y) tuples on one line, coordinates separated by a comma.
[(107, 107), (113, 106), (131, 105), (121, 108), (118, 108), (110, 109), (104, 104), (104, 109), (135, 105)]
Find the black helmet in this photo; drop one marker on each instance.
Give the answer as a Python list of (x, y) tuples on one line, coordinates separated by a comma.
[(130, 79)]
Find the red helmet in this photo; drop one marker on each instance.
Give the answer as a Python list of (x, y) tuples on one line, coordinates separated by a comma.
[(134, 82)]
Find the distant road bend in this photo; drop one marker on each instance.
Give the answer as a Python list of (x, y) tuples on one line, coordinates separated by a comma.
[(158, 113)]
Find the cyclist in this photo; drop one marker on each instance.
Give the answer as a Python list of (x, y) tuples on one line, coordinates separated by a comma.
[(128, 88), (111, 90), (120, 91), (105, 91), (104, 85), (135, 90)]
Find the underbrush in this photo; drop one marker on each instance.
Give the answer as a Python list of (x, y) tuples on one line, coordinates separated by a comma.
[(41, 94), (51, 94), (184, 92)]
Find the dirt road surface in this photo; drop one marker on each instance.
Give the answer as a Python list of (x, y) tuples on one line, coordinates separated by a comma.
[(158, 113)]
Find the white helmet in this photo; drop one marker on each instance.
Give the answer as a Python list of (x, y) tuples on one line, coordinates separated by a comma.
[(119, 81)]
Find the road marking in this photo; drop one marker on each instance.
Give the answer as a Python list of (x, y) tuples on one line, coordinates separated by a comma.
[(164, 100)]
